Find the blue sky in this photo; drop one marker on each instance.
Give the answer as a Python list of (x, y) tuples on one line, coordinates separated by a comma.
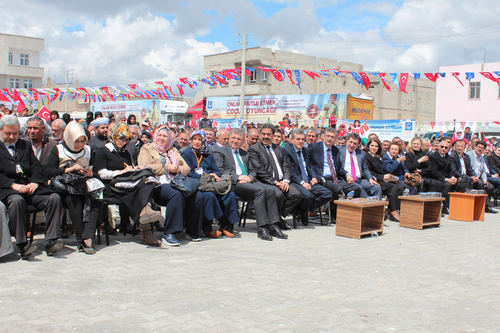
[(117, 42)]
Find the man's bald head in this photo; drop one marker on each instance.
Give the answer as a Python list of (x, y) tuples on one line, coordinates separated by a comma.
[(252, 137)]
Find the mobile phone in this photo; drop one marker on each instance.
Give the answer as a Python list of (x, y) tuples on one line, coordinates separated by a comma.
[(89, 167)]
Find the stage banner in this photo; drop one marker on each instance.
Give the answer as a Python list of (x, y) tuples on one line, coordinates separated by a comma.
[(359, 108), (385, 129), (302, 109), (227, 124), (142, 109)]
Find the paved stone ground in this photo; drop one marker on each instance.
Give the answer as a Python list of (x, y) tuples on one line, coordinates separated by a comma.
[(443, 279)]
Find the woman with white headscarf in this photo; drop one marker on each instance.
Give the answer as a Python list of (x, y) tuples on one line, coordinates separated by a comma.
[(165, 160), (74, 156)]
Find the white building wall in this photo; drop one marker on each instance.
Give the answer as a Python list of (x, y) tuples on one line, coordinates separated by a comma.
[(453, 102)]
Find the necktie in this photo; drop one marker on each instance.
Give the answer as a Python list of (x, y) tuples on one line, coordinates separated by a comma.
[(353, 168), (14, 154), (302, 169), (273, 164), (332, 169), (240, 163)]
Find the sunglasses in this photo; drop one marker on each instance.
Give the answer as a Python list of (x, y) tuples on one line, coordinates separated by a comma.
[(444, 147)]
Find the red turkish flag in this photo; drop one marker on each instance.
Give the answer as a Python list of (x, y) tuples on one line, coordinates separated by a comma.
[(490, 76), (366, 80), (44, 113), (17, 98), (462, 124), (384, 81), (403, 79), (311, 74), (289, 73), (432, 77), (433, 123), (277, 75), (456, 74)]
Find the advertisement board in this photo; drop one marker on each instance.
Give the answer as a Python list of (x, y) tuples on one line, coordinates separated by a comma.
[(359, 108), (385, 129), (142, 109), (302, 109)]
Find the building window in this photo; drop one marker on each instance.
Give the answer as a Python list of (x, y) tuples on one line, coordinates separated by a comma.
[(263, 76), (15, 83), (475, 90), (28, 84), (252, 78), (10, 58), (24, 59)]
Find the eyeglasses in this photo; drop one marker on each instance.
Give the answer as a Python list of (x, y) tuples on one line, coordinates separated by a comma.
[(445, 147)]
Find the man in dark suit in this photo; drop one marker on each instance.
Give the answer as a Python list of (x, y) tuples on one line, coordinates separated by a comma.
[(231, 159), (325, 163), (494, 161), (40, 143), (272, 170), (439, 165), (353, 161), (303, 178), (21, 183)]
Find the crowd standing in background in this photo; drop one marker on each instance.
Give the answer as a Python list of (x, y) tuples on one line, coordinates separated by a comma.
[(281, 170)]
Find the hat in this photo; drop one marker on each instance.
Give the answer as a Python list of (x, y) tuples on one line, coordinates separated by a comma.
[(99, 121), (145, 124)]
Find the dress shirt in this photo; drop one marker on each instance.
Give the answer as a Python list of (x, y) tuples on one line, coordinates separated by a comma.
[(348, 163), (462, 164), (479, 166), (37, 151), (303, 161), (238, 169), (280, 172), (11, 151), (326, 167)]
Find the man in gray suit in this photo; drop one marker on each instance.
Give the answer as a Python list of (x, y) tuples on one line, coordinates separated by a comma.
[(231, 159), (353, 160), (478, 164)]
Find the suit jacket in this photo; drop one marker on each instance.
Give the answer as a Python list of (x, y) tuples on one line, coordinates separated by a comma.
[(360, 155), (293, 162), (439, 168), (494, 162), (317, 159), (374, 164), (259, 157), (472, 155), (32, 169), (225, 162), (456, 166), (47, 144), (394, 167)]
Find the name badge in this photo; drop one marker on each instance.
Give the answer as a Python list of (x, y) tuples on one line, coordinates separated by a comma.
[(199, 171), (19, 168)]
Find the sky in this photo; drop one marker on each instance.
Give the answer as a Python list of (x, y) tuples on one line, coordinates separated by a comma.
[(120, 42)]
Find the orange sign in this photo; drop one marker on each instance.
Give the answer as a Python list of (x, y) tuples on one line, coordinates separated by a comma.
[(358, 108)]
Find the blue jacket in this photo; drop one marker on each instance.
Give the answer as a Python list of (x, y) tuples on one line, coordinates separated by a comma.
[(394, 167), (207, 163)]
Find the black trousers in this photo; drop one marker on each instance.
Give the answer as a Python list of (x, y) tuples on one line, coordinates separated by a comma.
[(393, 191), (264, 199), (75, 204), (286, 200)]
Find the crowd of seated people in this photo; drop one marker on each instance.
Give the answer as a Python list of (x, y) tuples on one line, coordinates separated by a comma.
[(103, 161)]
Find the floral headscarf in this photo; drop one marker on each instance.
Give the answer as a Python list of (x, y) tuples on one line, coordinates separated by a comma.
[(166, 150), (120, 131), (203, 148)]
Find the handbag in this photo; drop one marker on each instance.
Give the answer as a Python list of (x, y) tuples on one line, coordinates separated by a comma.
[(184, 184), (413, 179), (209, 184), (464, 183), (71, 183)]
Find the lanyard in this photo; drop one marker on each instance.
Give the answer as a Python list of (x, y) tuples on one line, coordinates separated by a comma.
[(198, 159)]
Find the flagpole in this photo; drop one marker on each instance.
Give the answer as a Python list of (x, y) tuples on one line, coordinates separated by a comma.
[(243, 74)]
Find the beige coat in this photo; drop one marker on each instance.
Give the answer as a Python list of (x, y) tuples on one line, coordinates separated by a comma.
[(149, 157)]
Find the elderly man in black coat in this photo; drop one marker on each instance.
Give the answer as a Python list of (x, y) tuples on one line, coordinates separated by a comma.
[(22, 183)]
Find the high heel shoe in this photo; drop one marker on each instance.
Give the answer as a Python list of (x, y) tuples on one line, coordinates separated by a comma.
[(87, 249), (393, 219)]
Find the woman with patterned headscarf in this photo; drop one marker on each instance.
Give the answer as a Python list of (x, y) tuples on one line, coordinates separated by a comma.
[(165, 160), (111, 161), (224, 208), (73, 155)]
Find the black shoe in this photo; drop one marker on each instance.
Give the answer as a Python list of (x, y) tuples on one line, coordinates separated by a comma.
[(263, 234), (488, 209), (82, 247), (276, 232), (393, 219), (445, 211), (283, 225), (27, 250), (304, 218), (52, 246), (64, 232)]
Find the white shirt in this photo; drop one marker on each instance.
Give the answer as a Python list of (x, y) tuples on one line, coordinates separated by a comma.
[(280, 172), (11, 151), (238, 169), (347, 163)]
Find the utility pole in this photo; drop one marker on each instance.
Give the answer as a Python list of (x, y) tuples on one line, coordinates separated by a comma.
[(243, 74), (70, 75)]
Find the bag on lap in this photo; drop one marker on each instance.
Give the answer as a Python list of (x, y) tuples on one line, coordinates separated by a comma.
[(184, 184), (464, 183), (209, 184), (413, 180)]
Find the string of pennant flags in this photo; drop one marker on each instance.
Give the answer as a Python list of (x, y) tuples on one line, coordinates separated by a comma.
[(165, 89)]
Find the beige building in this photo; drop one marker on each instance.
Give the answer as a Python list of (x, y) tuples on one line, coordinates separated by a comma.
[(20, 61), (419, 103)]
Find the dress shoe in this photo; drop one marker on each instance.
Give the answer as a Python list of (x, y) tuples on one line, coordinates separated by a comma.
[(304, 218), (64, 233), (445, 211), (283, 225), (263, 234), (82, 247), (393, 219), (213, 234), (488, 209), (275, 231), (27, 250), (52, 246), (227, 233)]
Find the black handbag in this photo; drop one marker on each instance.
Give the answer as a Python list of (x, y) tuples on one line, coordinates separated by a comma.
[(464, 183), (71, 183), (184, 184)]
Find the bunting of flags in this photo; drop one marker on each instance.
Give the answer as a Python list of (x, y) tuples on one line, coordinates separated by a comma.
[(164, 89)]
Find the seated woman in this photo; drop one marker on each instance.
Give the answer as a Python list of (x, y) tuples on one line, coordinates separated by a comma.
[(393, 190), (394, 165), (73, 155), (113, 160), (199, 162), (165, 160), (416, 162)]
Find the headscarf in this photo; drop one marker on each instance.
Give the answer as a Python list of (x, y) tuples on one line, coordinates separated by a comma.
[(203, 148), (120, 131), (73, 131), (67, 118), (90, 117), (166, 150)]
